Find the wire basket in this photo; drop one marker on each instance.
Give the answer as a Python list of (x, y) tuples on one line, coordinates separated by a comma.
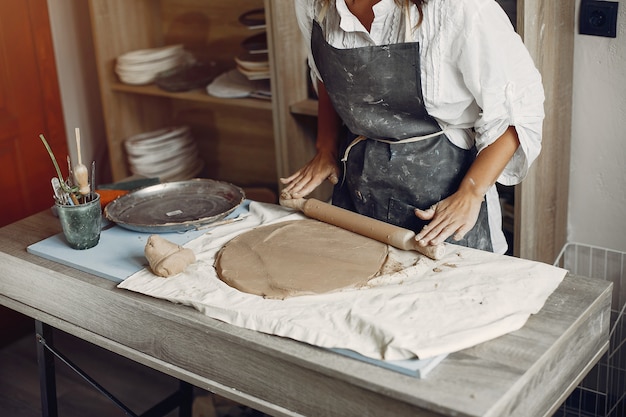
[(602, 393)]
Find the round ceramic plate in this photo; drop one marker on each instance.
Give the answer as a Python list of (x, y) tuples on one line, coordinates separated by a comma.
[(150, 54), (162, 151), (155, 67), (166, 169), (180, 157), (175, 206), (137, 79), (147, 143), (190, 171)]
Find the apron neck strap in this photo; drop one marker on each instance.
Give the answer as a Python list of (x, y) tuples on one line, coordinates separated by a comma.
[(322, 14), (407, 22)]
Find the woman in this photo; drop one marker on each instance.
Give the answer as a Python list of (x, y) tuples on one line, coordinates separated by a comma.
[(440, 99)]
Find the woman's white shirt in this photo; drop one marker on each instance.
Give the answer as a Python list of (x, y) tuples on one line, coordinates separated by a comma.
[(477, 76)]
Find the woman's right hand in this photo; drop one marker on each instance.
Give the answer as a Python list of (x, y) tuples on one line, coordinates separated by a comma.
[(300, 184), (324, 165)]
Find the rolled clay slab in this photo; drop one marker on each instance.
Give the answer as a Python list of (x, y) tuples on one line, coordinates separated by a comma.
[(299, 257)]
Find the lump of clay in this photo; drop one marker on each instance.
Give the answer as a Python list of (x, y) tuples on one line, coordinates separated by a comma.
[(167, 258)]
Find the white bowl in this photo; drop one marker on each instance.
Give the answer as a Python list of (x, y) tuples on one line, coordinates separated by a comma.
[(168, 162), (150, 54), (162, 151)]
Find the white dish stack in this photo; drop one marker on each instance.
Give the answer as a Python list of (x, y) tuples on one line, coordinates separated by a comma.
[(171, 154), (143, 66)]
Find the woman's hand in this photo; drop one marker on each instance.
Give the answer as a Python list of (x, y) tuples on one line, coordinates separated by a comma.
[(457, 214), (453, 216), (323, 166)]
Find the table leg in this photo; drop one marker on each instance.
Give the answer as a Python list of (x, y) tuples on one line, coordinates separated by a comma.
[(46, 353), (45, 362), (186, 399)]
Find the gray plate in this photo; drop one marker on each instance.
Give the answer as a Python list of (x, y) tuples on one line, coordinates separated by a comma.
[(175, 206)]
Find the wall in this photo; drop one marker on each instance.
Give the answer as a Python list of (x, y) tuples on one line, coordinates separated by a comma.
[(78, 82), (597, 199)]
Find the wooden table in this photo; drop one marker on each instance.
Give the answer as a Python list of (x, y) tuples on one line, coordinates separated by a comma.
[(525, 373)]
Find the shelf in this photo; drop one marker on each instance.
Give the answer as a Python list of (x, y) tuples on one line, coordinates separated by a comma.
[(306, 107), (194, 95), (235, 136)]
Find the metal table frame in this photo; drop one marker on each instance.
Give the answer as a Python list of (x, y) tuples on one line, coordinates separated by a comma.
[(46, 354)]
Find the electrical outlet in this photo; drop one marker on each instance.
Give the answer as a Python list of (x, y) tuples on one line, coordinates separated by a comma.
[(598, 18)]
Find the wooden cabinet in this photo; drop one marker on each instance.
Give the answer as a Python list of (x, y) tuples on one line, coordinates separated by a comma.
[(252, 142), (249, 142), (235, 136)]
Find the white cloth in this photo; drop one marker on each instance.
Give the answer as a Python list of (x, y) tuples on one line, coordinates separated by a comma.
[(477, 76), (426, 309)]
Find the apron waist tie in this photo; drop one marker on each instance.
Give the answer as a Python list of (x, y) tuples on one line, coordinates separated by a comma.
[(361, 138)]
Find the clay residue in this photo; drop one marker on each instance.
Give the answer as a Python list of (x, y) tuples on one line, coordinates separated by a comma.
[(299, 257), (391, 267)]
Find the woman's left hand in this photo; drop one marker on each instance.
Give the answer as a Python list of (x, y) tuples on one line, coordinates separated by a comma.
[(456, 215), (453, 216)]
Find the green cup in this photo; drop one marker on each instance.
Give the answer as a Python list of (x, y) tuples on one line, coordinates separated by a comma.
[(81, 223)]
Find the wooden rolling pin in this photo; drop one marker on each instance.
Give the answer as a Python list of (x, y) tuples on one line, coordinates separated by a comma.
[(395, 236)]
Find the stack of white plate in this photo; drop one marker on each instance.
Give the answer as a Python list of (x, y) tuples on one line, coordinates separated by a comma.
[(254, 66), (144, 65), (171, 154)]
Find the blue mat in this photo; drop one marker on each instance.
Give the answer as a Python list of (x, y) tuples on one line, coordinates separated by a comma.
[(417, 368), (118, 254)]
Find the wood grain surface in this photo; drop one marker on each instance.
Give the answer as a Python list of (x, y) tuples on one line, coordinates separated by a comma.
[(525, 373)]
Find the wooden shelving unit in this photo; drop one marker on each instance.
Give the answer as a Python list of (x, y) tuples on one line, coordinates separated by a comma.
[(253, 142), (194, 95), (235, 136)]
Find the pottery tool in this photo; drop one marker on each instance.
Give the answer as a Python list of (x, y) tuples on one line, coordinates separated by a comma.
[(59, 194), (70, 173), (93, 173), (390, 234), (81, 174)]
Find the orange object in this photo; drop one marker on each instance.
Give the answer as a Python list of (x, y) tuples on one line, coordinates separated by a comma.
[(106, 195)]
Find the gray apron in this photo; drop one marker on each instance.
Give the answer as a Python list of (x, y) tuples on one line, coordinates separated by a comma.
[(377, 92)]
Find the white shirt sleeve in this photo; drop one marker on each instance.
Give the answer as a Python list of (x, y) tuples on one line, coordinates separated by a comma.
[(305, 13), (498, 71)]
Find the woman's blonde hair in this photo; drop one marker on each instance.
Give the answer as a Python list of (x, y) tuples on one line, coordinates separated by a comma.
[(418, 3)]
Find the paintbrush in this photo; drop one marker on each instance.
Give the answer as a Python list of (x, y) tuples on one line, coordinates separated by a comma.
[(81, 175)]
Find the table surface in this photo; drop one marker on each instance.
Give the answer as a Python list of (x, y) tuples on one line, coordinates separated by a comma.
[(528, 372)]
